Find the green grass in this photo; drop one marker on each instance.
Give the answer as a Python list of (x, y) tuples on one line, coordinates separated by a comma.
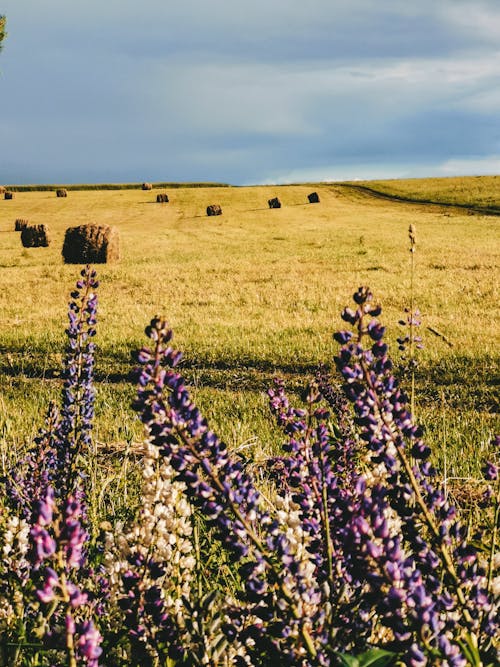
[(479, 192), (252, 294)]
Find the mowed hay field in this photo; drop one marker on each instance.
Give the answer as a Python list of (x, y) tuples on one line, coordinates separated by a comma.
[(252, 294)]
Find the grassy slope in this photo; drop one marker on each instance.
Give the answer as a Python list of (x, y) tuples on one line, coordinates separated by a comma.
[(250, 294), (481, 192)]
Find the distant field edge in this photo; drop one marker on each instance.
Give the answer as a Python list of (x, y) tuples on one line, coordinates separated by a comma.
[(486, 210), (110, 186)]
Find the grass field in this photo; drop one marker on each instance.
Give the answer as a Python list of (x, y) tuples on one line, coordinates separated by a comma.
[(481, 192), (256, 293)]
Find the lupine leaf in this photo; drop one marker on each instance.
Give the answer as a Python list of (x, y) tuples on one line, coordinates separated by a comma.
[(373, 658)]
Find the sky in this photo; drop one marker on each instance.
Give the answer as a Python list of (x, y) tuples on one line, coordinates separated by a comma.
[(248, 91)]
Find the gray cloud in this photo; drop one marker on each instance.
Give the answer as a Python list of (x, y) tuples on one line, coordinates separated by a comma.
[(247, 92)]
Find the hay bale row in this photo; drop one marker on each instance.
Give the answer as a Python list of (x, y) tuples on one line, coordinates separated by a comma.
[(21, 223), (85, 244), (35, 236), (62, 192), (162, 198), (91, 244), (8, 195), (214, 209)]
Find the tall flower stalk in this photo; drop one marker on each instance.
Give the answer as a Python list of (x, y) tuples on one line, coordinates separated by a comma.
[(154, 563), (412, 341), (48, 492), (439, 588), (274, 575)]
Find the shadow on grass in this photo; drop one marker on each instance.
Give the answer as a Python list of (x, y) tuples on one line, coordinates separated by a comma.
[(460, 381)]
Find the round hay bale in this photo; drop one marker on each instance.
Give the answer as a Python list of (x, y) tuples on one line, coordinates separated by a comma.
[(2, 189), (274, 202), (162, 198), (62, 192), (313, 198), (21, 223), (35, 236), (147, 186), (214, 209), (91, 244), (8, 195)]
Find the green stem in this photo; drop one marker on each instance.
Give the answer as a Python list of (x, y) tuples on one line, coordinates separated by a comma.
[(197, 550)]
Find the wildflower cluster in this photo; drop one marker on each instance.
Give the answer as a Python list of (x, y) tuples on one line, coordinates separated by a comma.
[(438, 600), (351, 555)]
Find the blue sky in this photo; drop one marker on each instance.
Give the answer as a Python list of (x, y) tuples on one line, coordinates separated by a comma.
[(264, 91)]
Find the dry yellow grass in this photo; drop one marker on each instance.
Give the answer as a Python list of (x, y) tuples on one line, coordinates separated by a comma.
[(253, 282), (250, 293)]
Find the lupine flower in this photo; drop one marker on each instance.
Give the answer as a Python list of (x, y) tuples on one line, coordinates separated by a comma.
[(57, 555), (158, 547), (274, 577), (441, 589), (48, 492), (380, 538), (355, 546)]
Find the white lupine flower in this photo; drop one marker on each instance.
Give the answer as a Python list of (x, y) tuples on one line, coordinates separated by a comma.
[(15, 547), (6, 611), (289, 518), (162, 531), (15, 538)]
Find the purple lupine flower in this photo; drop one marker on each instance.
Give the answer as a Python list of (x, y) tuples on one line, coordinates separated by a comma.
[(490, 471), (151, 629), (52, 462), (222, 490), (58, 556), (439, 585), (88, 643), (320, 474), (78, 394), (50, 584), (48, 488)]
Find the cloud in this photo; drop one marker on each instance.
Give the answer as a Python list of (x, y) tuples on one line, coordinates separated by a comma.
[(242, 92), (474, 166)]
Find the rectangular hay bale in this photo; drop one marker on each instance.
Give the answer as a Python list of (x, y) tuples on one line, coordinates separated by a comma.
[(91, 244), (35, 236)]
